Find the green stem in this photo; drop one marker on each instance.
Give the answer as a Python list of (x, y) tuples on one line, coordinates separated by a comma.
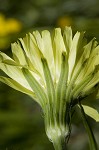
[(58, 133), (93, 145), (59, 145)]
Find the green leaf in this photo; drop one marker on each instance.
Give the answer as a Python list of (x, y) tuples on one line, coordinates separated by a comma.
[(92, 140), (93, 113)]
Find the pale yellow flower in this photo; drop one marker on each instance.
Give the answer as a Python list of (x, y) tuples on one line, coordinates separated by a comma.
[(57, 70)]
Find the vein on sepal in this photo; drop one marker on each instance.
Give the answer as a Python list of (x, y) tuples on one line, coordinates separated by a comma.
[(37, 88)]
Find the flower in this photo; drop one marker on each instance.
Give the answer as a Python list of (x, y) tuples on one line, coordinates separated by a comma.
[(13, 25), (9, 26), (56, 70), (64, 21)]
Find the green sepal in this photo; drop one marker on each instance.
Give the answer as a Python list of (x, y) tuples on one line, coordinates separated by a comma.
[(61, 88), (37, 88), (50, 88)]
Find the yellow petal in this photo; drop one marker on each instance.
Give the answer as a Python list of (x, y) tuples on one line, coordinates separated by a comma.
[(18, 54), (48, 50), (32, 52), (58, 48), (73, 52), (16, 74), (67, 35), (15, 85), (6, 59)]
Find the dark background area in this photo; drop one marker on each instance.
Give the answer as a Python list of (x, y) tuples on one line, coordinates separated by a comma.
[(21, 119)]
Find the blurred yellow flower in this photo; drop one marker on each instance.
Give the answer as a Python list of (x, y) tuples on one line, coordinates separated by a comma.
[(3, 31), (64, 21), (4, 42), (13, 25), (9, 26)]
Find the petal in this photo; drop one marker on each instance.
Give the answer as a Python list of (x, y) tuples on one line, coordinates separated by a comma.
[(45, 45), (73, 52), (15, 85), (93, 113), (18, 54), (38, 38), (47, 49), (93, 61), (16, 74), (67, 36), (58, 48), (32, 52), (92, 84), (83, 62), (6, 59)]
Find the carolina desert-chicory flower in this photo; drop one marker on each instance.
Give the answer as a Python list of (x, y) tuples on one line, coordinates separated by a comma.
[(56, 70)]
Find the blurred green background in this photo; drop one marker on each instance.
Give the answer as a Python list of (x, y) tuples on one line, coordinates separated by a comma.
[(21, 119)]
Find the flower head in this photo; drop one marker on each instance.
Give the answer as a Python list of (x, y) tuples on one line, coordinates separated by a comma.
[(55, 70)]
